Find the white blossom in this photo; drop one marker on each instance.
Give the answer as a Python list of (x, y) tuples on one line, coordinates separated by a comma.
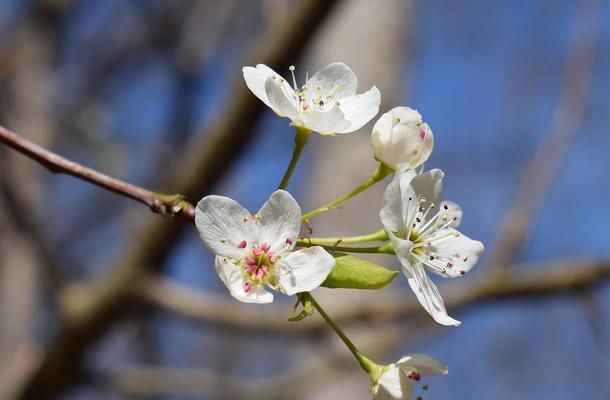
[(256, 251), (327, 103), (400, 137), (424, 235), (396, 381)]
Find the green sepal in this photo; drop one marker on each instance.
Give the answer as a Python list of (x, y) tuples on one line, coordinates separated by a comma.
[(307, 309), (352, 272)]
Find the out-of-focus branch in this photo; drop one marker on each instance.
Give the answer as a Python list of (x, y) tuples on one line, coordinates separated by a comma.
[(526, 281), (555, 146), (92, 309), (164, 204)]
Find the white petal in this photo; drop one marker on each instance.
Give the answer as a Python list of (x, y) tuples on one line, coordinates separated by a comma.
[(232, 276), (391, 206), (403, 252), (428, 185), (360, 109), (429, 297), (394, 384), (255, 80), (424, 364), (328, 121), (391, 213), (457, 248), (223, 223), (452, 211), (280, 219), (281, 99), (304, 270), (329, 77)]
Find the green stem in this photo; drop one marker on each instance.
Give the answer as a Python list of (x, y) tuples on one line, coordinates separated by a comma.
[(366, 364), (300, 140), (378, 236), (384, 249), (378, 175)]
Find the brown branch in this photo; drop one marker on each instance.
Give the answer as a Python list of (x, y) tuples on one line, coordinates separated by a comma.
[(554, 147), (92, 309), (169, 205), (565, 277)]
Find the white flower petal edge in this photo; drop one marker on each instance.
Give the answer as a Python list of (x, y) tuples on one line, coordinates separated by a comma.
[(256, 251), (327, 103), (423, 232), (396, 382)]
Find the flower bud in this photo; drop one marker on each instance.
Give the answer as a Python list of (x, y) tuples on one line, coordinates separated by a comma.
[(400, 137)]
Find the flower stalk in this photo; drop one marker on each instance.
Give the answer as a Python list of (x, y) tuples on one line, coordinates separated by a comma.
[(377, 176), (371, 368), (300, 140)]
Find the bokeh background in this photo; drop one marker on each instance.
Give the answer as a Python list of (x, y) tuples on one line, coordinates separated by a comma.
[(515, 92)]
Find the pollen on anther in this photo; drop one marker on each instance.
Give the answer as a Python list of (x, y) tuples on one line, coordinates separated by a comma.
[(291, 68), (223, 240), (465, 258)]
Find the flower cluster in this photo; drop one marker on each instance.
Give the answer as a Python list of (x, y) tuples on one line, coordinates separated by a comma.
[(261, 251)]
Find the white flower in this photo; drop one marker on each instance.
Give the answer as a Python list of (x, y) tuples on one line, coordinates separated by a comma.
[(400, 137), (327, 103), (254, 251), (422, 231), (395, 382)]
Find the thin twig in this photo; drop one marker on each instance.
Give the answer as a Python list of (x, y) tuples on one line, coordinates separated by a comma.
[(168, 205)]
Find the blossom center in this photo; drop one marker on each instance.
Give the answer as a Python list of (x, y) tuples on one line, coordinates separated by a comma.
[(312, 98), (258, 266)]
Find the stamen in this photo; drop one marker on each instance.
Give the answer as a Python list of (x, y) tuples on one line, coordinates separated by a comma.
[(265, 247), (289, 241), (294, 81), (242, 244), (415, 376), (247, 287)]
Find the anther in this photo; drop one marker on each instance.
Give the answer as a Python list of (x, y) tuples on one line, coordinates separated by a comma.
[(462, 272), (223, 240), (246, 219), (425, 386), (465, 258), (415, 376), (446, 207), (449, 264), (289, 241), (242, 244), (397, 120)]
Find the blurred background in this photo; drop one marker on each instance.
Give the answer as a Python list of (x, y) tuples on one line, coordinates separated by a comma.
[(100, 299)]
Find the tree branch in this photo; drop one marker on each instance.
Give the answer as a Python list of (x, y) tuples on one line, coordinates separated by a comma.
[(168, 205), (565, 277)]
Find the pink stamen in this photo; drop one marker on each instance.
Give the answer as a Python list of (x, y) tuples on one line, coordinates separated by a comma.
[(305, 106), (251, 268), (257, 251), (422, 134), (415, 376), (247, 287), (272, 256), (250, 261), (260, 274), (289, 241), (265, 247), (242, 244)]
